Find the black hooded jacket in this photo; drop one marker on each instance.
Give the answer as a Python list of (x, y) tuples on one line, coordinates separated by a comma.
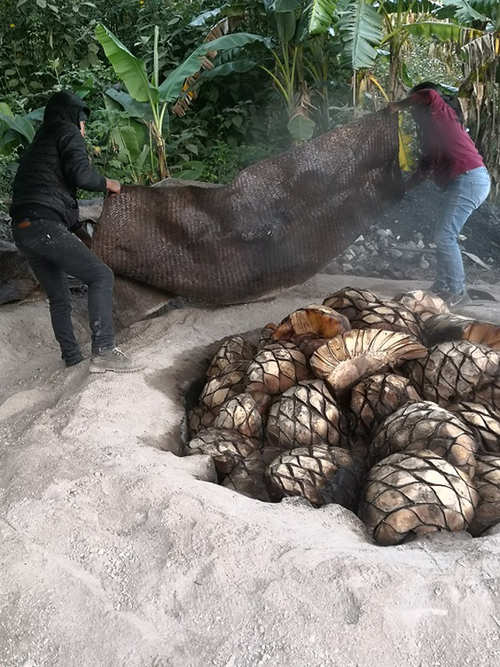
[(55, 165)]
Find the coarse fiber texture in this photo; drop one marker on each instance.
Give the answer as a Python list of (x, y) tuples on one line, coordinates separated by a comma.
[(275, 225)]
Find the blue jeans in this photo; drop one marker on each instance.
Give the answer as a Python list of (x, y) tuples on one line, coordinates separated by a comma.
[(462, 196), (52, 252)]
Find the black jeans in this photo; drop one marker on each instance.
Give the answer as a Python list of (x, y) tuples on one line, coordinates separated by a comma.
[(52, 252)]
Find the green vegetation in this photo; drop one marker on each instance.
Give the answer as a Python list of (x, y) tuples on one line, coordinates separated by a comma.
[(197, 90)]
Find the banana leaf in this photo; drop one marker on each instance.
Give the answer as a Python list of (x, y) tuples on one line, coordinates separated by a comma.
[(321, 16), (360, 26), (130, 69), (170, 89), (122, 100)]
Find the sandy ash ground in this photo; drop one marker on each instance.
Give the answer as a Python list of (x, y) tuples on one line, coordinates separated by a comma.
[(116, 552)]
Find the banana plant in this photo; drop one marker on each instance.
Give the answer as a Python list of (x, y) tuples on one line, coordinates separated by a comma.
[(16, 130), (147, 90)]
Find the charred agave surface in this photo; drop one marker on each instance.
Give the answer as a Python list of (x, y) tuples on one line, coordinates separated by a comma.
[(350, 301), (226, 448), (223, 386), (247, 477), (232, 351), (426, 426), (449, 327), (243, 414), (318, 474), (453, 372), (312, 322), (304, 416), (483, 421), (374, 399), (276, 368), (198, 419), (389, 316), (422, 304), (407, 495), (487, 481)]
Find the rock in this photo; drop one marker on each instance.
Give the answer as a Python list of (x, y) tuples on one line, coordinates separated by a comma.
[(16, 278)]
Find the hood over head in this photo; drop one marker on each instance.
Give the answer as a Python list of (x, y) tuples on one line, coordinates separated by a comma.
[(66, 106)]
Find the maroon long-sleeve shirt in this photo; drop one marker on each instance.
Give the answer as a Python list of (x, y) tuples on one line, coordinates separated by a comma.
[(447, 149)]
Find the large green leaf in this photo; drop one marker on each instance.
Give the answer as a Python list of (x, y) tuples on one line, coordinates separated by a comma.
[(6, 110), (467, 11), (239, 66), (360, 27), (446, 32), (321, 16), (135, 109), (170, 89), (301, 127), (19, 124), (130, 137), (413, 6), (286, 24), (130, 69)]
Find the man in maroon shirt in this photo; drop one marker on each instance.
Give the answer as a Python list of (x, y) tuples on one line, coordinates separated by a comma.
[(450, 157)]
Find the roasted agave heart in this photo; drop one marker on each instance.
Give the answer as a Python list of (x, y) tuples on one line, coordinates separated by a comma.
[(319, 474), (227, 448), (350, 301), (407, 495), (347, 359), (487, 482), (425, 425), (448, 327), (306, 415), (276, 368), (310, 322), (231, 351), (422, 303)]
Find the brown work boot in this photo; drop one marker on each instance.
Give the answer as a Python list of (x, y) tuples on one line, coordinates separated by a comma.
[(113, 360)]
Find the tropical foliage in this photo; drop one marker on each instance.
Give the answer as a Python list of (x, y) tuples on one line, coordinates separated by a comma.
[(198, 89)]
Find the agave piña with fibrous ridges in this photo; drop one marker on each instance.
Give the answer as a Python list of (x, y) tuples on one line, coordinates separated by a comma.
[(412, 494), (425, 425), (233, 350), (453, 371), (241, 413), (266, 336), (422, 304), (391, 316), (347, 359), (313, 321), (483, 421), (306, 415), (276, 368), (449, 327), (247, 477), (372, 400), (487, 482), (307, 471), (350, 301), (226, 448), (223, 386), (199, 418)]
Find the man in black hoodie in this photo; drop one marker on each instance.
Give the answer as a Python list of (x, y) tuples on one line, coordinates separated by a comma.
[(44, 214)]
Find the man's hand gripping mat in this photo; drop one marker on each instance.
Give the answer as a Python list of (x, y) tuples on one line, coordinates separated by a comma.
[(277, 224)]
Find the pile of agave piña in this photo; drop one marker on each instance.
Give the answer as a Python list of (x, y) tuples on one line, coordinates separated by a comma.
[(389, 408)]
